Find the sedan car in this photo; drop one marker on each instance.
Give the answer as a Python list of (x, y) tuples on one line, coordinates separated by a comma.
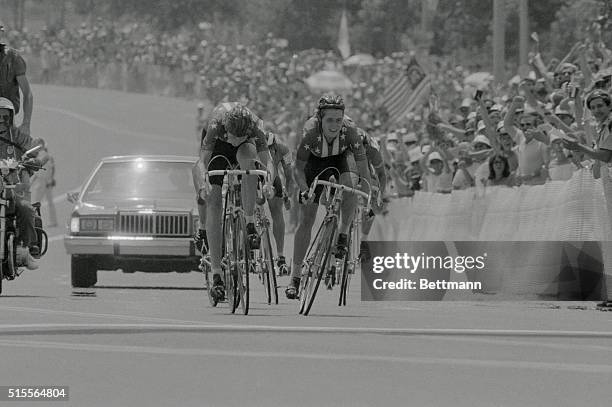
[(135, 213)]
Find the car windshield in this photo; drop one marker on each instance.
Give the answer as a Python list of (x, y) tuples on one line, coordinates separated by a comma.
[(140, 179)]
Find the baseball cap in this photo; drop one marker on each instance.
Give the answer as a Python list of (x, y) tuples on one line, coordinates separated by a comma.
[(496, 108), (480, 138), (410, 138), (434, 156), (556, 134), (560, 110)]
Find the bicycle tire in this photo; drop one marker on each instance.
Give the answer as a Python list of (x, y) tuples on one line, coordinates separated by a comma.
[(271, 270), (305, 275), (228, 253), (349, 261), (242, 265), (326, 244)]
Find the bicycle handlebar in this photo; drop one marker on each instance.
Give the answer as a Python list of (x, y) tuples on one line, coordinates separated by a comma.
[(341, 187), (262, 173)]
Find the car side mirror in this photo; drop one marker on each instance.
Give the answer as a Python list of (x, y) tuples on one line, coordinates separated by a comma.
[(72, 197)]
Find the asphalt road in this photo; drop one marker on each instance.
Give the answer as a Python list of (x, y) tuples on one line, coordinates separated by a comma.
[(153, 339)]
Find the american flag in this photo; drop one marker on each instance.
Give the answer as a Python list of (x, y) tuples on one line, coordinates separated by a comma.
[(407, 91)]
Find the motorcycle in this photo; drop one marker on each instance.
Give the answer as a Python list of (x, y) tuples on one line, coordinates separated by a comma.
[(11, 263)]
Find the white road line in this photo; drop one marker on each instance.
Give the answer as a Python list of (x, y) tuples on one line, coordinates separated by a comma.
[(524, 343), (95, 123), (92, 315), (217, 328), (506, 364)]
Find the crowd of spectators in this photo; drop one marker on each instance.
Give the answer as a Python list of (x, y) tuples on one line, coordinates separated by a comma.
[(510, 135), (197, 65)]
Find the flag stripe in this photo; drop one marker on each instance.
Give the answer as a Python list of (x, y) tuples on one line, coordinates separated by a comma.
[(400, 97)]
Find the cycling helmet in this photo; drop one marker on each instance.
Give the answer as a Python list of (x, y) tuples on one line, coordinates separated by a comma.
[(238, 121), (7, 104), (598, 94), (271, 138), (330, 102)]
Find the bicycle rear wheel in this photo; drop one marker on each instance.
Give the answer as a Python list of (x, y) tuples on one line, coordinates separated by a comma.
[(321, 254), (269, 270), (349, 264)]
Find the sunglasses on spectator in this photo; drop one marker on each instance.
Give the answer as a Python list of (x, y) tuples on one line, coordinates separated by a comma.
[(527, 125)]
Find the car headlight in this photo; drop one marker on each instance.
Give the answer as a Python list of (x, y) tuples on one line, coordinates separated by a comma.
[(87, 224), (106, 225)]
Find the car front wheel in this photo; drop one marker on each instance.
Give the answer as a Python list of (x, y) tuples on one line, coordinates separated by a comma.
[(84, 271)]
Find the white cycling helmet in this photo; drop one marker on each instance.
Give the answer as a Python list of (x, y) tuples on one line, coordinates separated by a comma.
[(271, 138), (7, 104)]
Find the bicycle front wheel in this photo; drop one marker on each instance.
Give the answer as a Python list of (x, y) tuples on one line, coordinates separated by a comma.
[(315, 266)]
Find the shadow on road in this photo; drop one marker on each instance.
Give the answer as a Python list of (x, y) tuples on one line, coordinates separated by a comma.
[(25, 296), (113, 287)]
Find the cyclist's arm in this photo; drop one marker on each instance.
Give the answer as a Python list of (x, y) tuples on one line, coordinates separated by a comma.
[(300, 175), (28, 99), (266, 160), (288, 175)]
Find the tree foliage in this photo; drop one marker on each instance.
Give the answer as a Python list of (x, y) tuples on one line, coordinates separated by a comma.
[(375, 26)]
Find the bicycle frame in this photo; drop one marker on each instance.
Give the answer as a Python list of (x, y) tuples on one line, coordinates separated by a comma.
[(333, 196), (234, 254)]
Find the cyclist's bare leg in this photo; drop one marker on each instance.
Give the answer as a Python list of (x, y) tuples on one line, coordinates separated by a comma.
[(246, 155), (366, 225), (202, 212), (349, 203), (308, 213), (214, 226), (278, 223)]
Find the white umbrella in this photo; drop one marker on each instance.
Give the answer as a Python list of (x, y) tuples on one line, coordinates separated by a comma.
[(360, 59), (478, 80), (329, 80)]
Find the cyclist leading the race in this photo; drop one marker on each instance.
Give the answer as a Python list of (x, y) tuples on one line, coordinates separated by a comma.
[(330, 140), (237, 134)]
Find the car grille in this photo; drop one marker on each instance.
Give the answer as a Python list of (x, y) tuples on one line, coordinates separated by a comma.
[(154, 224)]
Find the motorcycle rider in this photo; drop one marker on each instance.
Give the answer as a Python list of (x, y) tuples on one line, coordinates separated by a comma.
[(13, 144)]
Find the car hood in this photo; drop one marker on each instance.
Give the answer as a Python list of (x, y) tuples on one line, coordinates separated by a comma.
[(114, 205)]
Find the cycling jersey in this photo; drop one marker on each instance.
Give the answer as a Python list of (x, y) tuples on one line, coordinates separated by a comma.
[(280, 153), (314, 144), (216, 130)]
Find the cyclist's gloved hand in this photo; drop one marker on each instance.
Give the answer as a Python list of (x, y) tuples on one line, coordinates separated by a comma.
[(303, 197), (32, 162)]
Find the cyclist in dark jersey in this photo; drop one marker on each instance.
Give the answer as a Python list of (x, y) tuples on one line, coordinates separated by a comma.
[(237, 134)]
